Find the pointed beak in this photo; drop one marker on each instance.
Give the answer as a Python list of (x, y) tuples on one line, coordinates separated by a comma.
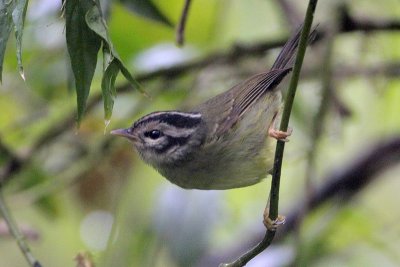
[(121, 132)]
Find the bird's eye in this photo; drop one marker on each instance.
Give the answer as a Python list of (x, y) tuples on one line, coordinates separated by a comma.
[(153, 134)]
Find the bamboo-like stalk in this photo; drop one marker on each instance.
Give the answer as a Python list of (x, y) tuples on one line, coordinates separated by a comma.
[(280, 146)]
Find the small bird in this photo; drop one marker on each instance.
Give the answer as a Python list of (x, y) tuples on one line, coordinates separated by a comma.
[(223, 143)]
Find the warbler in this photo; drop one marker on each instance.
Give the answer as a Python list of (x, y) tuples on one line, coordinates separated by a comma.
[(225, 142)]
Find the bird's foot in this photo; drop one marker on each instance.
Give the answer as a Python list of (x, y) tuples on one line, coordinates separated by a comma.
[(270, 224), (280, 135)]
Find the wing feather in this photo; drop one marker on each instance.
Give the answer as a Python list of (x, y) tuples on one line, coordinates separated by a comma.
[(251, 91)]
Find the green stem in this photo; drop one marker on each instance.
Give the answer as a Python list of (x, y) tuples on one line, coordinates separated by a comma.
[(280, 146), (13, 228)]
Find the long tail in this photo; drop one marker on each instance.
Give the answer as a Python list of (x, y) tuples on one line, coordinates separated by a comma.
[(286, 57)]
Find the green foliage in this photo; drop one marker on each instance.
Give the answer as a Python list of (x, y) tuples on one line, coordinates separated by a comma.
[(112, 63), (111, 70), (147, 9), (83, 45), (5, 29), (12, 14), (86, 32), (18, 15)]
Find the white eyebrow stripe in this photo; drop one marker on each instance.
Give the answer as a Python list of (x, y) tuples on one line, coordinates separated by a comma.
[(183, 114), (176, 118)]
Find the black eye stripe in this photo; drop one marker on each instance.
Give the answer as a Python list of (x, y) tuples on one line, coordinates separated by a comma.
[(176, 119), (172, 142)]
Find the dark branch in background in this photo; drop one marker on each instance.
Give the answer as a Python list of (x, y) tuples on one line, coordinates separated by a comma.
[(349, 23), (237, 52), (342, 184), (180, 30), (13, 164), (389, 70)]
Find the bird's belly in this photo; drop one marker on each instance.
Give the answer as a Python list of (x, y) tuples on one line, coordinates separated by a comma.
[(224, 172)]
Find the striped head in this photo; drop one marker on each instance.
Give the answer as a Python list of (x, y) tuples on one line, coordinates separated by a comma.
[(166, 137)]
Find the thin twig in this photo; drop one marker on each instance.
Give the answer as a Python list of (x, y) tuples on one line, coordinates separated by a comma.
[(16, 233), (276, 174), (280, 146), (180, 30)]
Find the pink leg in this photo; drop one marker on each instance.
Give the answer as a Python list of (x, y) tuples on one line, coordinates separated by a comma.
[(278, 135), (272, 225)]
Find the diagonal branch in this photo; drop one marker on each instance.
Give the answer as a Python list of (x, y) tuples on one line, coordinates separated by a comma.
[(14, 230)]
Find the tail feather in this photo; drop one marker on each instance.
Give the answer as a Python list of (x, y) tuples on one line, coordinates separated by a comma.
[(286, 57)]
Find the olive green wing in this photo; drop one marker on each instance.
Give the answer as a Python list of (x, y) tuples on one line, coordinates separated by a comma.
[(246, 94)]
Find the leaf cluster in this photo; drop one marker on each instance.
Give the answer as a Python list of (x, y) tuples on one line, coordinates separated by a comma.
[(86, 34)]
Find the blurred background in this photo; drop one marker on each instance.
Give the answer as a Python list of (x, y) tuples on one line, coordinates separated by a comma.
[(81, 190)]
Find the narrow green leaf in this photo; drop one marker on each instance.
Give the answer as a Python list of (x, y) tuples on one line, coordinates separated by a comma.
[(147, 9), (18, 16), (112, 62), (83, 46), (129, 77), (111, 70), (6, 8), (96, 23)]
